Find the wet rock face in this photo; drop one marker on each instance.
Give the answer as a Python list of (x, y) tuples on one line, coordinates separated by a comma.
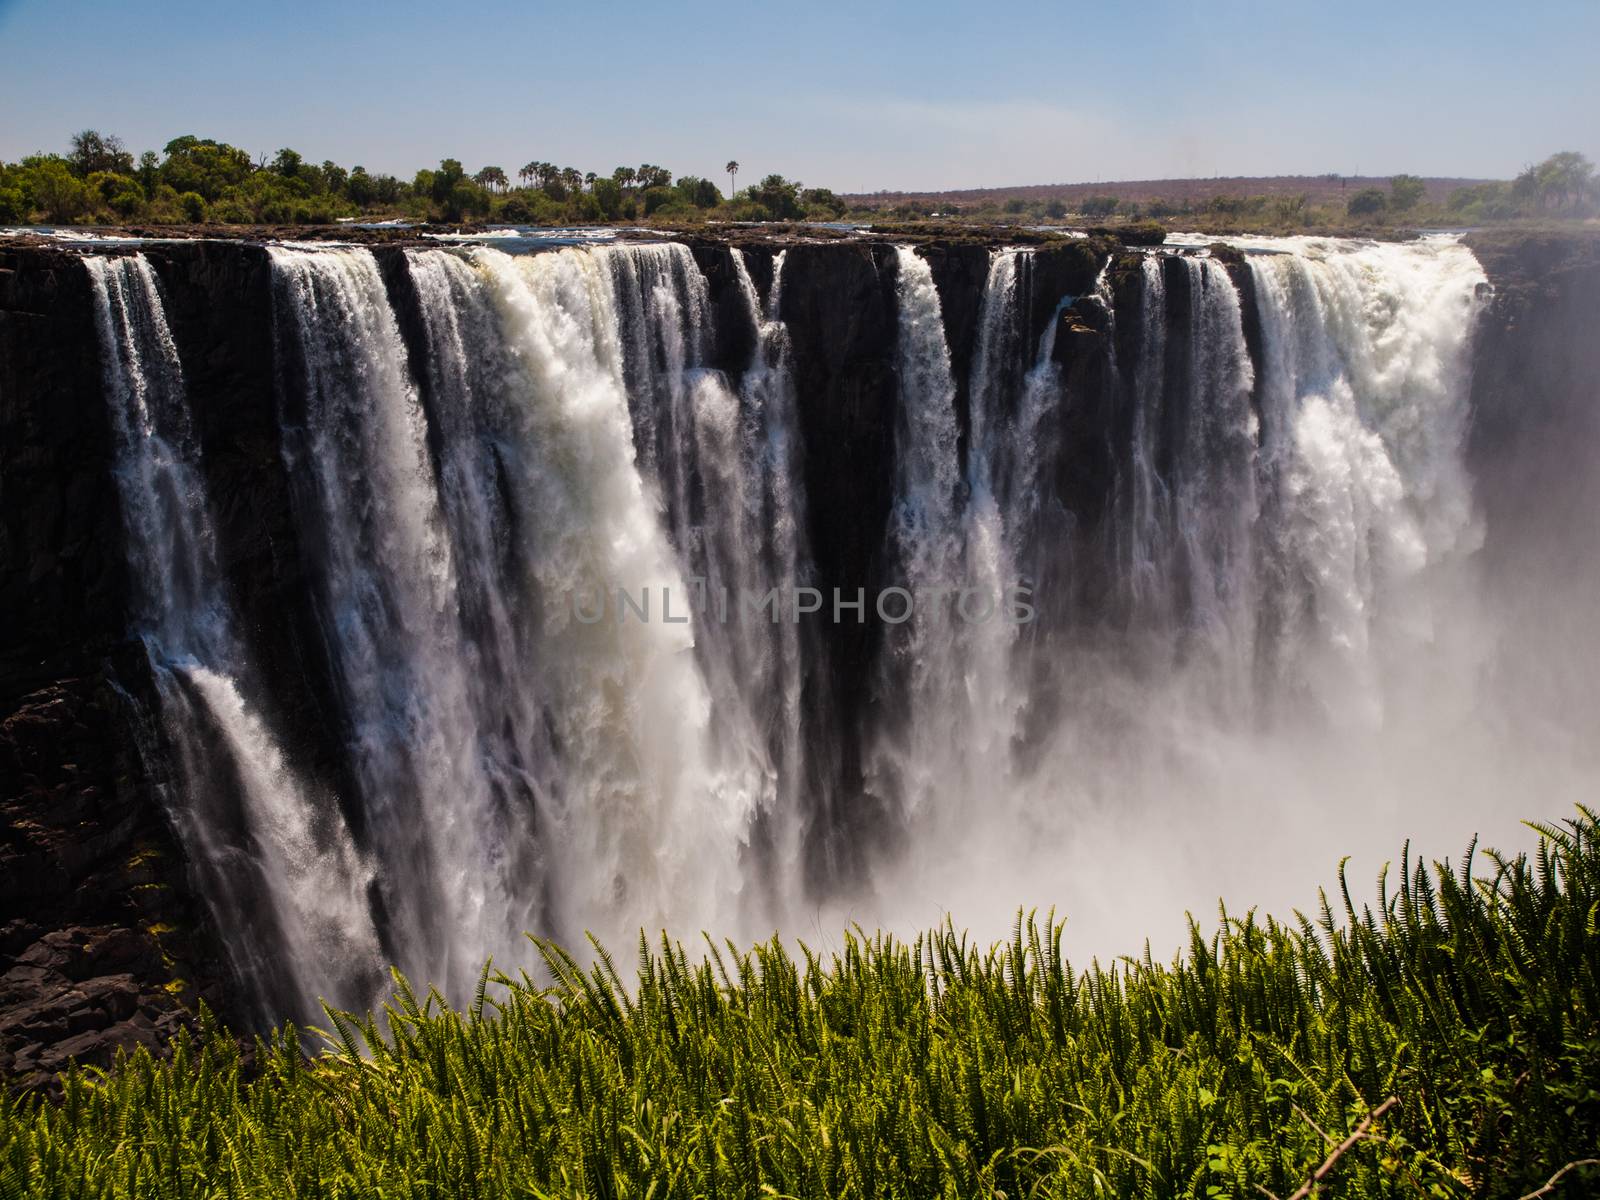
[(736, 334), (101, 944), (1534, 452), (1536, 388), (62, 577), (838, 303)]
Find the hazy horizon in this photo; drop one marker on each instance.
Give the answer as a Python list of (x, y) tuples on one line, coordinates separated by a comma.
[(932, 97)]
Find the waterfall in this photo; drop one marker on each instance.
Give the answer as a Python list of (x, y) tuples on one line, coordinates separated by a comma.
[(274, 861), (929, 755), (1364, 405), (451, 878), (724, 456), (662, 311), (1143, 512), (750, 456), (535, 494)]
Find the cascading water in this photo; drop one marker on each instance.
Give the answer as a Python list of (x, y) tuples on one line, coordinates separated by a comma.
[(942, 681), (1203, 540), (654, 819), (1249, 559), (724, 458), (533, 756), (487, 515), (1363, 402), (285, 886), (452, 877)]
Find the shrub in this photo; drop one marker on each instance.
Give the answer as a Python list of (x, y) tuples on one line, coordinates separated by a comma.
[(607, 197), (514, 210), (1406, 192), (56, 192), (658, 198), (1367, 203), (821, 203)]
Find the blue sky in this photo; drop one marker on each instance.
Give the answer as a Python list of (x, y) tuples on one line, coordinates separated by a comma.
[(855, 96)]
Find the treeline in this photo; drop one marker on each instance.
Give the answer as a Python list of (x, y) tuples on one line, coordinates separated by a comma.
[(1563, 185), (199, 180)]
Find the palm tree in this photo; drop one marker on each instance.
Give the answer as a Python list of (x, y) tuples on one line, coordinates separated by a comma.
[(732, 169), (528, 172)]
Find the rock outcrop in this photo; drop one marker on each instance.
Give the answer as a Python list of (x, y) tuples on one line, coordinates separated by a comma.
[(101, 943)]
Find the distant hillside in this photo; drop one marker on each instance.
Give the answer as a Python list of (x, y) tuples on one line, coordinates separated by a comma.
[(1319, 189)]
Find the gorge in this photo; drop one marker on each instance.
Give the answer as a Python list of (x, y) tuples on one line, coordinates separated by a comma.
[(297, 539)]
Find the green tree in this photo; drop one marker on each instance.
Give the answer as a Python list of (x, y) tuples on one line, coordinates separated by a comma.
[(1566, 177), (1290, 209), (204, 166), (608, 196), (701, 193), (334, 177), (287, 163), (1406, 192), (821, 202), (649, 176), (121, 193), (443, 184), (94, 151), (657, 198), (149, 171), (359, 187), (13, 206), (1369, 202), (465, 199), (780, 197), (58, 194)]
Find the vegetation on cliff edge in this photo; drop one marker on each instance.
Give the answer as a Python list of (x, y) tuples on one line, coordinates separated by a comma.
[(201, 180), (1470, 995)]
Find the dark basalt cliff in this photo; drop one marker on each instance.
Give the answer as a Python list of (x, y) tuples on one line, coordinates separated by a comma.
[(102, 942), (1534, 451), (1536, 391)]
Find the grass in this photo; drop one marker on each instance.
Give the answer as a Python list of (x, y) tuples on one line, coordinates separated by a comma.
[(935, 1068)]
